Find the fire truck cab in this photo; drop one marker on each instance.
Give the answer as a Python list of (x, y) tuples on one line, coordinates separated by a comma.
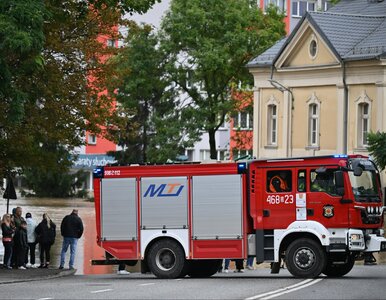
[(315, 214)]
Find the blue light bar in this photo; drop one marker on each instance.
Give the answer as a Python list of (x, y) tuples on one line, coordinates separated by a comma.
[(340, 156), (98, 172), (241, 167)]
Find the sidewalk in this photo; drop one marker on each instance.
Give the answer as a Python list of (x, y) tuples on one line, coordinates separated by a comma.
[(15, 275)]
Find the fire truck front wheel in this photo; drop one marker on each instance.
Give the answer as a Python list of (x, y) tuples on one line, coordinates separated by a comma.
[(305, 258), (166, 259)]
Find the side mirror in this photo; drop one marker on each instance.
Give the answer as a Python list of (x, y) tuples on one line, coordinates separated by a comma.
[(339, 182), (358, 171)]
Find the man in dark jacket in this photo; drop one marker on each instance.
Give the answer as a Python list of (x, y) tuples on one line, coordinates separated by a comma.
[(71, 230), (21, 245)]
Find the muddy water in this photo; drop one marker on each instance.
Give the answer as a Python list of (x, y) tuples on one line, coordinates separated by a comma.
[(87, 248)]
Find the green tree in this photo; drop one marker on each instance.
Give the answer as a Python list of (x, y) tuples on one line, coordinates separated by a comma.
[(377, 148), (152, 128), (52, 74), (53, 179), (209, 43), (21, 44)]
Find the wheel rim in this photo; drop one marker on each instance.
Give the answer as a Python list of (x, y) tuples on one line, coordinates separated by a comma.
[(304, 258), (165, 259)]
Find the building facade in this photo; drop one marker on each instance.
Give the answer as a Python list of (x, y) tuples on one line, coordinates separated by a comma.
[(323, 89)]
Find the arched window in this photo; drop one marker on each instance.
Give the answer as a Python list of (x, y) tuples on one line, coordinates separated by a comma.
[(313, 124), (363, 119), (272, 124), (363, 123), (313, 121)]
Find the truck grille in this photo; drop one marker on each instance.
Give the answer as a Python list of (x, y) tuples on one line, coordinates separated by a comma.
[(370, 218)]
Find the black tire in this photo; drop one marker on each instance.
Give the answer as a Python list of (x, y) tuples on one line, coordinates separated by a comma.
[(305, 258), (341, 269), (204, 268), (166, 259)]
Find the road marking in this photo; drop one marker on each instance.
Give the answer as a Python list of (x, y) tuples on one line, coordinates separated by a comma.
[(145, 284), (286, 290), (45, 298), (101, 291)]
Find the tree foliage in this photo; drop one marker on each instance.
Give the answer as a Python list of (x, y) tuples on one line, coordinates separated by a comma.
[(55, 180), (153, 128), (209, 43), (53, 74), (377, 148)]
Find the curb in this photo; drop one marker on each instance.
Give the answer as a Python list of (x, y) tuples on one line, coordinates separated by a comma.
[(60, 274)]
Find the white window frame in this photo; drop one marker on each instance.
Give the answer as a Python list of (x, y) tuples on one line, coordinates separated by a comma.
[(205, 154), (363, 123), (313, 120), (298, 15), (91, 139), (281, 4), (313, 125), (272, 124), (363, 120), (238, 152), (190, 154), (110, 43), (326, 4), (237, 122)]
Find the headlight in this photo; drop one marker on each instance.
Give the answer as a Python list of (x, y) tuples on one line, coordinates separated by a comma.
[(356, 237)]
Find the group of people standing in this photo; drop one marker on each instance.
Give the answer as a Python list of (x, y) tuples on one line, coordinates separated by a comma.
[(22, 235)]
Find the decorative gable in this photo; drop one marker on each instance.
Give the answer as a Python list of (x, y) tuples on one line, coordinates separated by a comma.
[(306, 49)]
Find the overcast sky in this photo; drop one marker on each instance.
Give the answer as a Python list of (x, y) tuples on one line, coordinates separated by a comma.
[(153, 16)]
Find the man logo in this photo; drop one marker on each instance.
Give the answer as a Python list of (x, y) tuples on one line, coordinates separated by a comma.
[(173, 190)]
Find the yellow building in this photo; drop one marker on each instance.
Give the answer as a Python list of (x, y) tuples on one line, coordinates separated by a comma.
[(322, 89)]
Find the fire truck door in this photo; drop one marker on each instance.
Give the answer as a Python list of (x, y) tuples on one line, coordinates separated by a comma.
[(322, 202), (278, 198)]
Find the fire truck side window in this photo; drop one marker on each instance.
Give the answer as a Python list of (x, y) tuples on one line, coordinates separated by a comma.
[(279, 181), (323, 181), (302, 181)]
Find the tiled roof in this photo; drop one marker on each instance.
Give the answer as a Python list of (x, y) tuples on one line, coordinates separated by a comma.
[(266, 58), (362, 7), (354, 36)]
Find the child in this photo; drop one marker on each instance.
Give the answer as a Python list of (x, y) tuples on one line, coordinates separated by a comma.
[(21, 245)]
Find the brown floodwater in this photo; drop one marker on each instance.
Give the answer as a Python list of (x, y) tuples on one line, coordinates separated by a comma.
[(87, 247), (57, 209)]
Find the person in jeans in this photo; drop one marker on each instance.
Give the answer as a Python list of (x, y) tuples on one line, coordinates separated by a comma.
[(250, 263), (31, 239), (71, 230), (8, 231)]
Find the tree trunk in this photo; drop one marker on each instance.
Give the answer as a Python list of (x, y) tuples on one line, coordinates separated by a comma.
[(212, 143)]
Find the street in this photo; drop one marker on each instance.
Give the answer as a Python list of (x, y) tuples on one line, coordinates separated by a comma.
[(363, 282)]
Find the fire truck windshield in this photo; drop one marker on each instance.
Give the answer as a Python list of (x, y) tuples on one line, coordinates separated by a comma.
[(365, 186)]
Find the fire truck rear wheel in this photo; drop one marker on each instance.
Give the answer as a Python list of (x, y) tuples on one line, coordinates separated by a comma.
[(305, 258), (339, 270), (166, 259)]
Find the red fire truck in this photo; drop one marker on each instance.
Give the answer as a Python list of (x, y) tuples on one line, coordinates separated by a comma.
[(182, 220)]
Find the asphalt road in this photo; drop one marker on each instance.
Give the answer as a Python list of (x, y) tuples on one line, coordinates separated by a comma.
[(363, 282)]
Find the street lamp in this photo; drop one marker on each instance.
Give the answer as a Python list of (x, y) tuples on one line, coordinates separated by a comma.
[(277, 85)]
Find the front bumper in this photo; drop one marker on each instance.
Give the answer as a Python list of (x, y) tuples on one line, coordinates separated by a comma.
[(375, 243)]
